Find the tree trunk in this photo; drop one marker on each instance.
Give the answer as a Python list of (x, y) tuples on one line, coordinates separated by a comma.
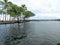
[(13, 20), (18, 19), (2, 16), (24, 19), (10, 18), (5, 17)]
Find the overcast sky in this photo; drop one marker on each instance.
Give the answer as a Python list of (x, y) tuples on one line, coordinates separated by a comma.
[(44, 9)]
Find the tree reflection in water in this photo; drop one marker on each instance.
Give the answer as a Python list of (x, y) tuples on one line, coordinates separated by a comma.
[(17, 34)]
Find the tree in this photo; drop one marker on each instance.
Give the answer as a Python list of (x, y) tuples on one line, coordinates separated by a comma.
[(5, 4), (25, 12), (28, 14), (23, 8), (14, 11), (1, 11)]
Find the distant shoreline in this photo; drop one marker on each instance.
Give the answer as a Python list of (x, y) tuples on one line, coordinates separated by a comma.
[(14, 21), (43, 20)]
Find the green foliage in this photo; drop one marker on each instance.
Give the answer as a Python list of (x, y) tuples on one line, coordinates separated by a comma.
[(15, 11), (0, 11), (22, 10), (24, 7), (28, 14), (5, 0), (5, 3)]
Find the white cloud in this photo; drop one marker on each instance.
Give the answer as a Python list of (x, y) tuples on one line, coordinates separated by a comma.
[(42, 7)]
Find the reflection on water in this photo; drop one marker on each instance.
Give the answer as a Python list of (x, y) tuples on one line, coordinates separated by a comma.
[(16, 34), (30, 33)]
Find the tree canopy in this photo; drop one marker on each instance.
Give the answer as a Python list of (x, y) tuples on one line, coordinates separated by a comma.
[(15, 11), (28, 14)]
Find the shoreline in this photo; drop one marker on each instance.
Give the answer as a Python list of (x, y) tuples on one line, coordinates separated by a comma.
[(12, 22), (20, 21)]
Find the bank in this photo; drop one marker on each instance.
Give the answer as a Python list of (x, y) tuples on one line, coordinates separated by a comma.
[(12, 22)]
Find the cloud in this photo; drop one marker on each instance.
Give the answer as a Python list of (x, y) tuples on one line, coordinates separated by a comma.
[(42, 7)]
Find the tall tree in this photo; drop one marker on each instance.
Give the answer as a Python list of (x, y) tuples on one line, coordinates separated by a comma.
[(14, 11), (25, 12), (23, 8), (5, 4)]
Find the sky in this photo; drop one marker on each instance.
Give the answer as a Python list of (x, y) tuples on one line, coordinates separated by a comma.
[(43, 9)]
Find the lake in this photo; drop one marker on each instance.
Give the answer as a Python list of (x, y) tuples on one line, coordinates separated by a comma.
[(30, 33)]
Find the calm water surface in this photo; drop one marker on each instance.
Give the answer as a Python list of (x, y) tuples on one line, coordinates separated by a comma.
[(30, 33)]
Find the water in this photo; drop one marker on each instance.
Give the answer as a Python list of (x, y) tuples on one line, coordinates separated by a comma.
[(30, 33)]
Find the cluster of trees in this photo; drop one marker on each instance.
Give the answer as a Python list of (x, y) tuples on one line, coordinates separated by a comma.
[(15, 11)]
